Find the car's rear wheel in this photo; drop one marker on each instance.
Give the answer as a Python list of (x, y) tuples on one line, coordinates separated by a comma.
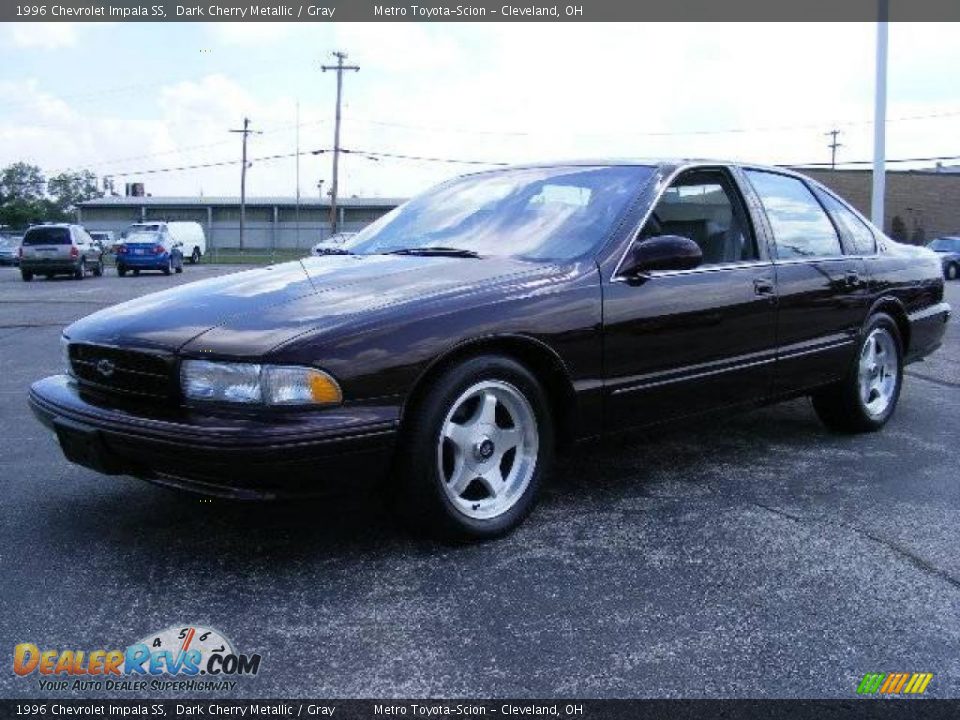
[(26, 275), (952, 271), (81, 272), (136, 273), (474, 450), (867, 396), (121, 271), (195, 256), (98, 268), (169, 266)]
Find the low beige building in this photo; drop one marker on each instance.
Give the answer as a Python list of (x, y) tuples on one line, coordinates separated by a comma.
[(927, 202)]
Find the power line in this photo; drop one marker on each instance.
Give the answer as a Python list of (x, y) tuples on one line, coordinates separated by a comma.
[(397, 156), (651, 133)]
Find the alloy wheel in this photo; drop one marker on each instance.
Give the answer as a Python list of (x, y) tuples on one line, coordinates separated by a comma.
[(487, 450), (878, 372)]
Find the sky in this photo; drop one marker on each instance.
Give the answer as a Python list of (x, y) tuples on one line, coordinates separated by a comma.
[(122, 99)]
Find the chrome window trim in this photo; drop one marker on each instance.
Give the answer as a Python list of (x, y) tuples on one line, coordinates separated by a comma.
[(715, 267)]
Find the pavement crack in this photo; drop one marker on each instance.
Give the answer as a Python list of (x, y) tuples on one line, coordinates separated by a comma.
[(906, 553)]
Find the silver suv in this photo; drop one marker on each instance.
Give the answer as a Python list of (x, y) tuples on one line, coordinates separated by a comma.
[(59, 250)]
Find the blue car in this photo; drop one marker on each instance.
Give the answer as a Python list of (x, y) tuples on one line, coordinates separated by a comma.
[(948, 248), (149, 250)]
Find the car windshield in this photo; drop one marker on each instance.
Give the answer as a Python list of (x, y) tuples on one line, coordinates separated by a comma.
[(949, 244), (549, 213), (47, 236)]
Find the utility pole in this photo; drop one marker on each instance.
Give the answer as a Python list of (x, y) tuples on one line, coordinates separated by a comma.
[(243, 175), (880, 118), (339, 67), (833, 148)]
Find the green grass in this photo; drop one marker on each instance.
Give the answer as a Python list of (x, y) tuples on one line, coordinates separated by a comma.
[(233, 256)]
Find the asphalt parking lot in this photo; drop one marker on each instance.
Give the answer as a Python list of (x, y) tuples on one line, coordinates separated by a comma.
[(757, 556)]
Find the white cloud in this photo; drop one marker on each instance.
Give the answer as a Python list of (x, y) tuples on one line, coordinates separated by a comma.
[(505, 92), (43, 36)]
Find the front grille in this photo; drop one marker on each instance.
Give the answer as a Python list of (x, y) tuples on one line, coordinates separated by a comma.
[(127, 372)]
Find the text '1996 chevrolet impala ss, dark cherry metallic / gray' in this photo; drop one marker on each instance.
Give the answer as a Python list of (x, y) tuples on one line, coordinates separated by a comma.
[(452, 346)]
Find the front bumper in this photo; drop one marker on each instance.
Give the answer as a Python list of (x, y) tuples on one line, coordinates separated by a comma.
[(256, 457)]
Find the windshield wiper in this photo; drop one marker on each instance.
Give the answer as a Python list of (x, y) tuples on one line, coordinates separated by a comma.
[(435, 250)]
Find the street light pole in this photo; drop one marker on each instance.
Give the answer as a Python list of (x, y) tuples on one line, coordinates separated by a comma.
[(880, 119)]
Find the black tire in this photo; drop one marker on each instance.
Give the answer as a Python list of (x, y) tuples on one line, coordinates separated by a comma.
[(418, 493), (195, 256), (952, 271), (81, 272), (26, 275), (168, 268), (136, 272), (121, 271), (840, 406), (98, 268), (179, 267)]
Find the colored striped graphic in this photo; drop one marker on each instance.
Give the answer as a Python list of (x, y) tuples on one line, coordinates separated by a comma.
[(894, 683)]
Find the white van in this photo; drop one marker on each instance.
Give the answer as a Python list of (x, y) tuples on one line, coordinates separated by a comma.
[(188, 236)]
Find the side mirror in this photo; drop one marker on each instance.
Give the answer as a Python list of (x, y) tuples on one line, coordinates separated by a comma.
[(664, 252)]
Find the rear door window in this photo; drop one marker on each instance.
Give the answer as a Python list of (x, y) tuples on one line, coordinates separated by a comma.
[(47, 236), (857, 236), (801, 228)]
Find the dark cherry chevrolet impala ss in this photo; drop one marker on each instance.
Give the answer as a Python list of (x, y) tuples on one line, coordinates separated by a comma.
[(452, 346)]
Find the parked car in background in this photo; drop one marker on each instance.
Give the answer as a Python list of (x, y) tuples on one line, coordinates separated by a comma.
[(146, 248), (333, 245), (948, 248), (59, 249), (187, 236), (9, 250), (474, 329), (105, 238)]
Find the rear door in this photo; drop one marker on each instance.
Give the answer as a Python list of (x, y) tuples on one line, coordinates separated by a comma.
[(824, 292)]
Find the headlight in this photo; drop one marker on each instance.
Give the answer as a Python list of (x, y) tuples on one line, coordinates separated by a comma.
[(262, 384)]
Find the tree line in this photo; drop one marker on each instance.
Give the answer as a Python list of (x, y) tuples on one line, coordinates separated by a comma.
[(28, 197)]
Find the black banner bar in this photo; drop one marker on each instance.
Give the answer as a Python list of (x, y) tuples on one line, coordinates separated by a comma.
[(476, 11), (885, 709)]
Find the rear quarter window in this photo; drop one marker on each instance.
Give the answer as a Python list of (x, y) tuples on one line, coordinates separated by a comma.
[(47, 236)]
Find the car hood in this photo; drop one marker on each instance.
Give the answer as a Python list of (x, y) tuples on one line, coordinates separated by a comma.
[(246, 314)]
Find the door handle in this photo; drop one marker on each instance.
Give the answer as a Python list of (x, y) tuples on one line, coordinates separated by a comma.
[(762, 286)]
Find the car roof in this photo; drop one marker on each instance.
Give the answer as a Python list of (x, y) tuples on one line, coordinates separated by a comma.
[(666, 164)]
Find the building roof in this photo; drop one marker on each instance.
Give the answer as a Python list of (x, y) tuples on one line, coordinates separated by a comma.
[(212, 200)]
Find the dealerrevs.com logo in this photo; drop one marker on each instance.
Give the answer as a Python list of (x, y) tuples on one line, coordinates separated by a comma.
[(199, 658)]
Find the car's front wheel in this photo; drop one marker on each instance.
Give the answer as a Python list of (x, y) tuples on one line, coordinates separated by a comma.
[(474, 451), (867, 396), (952, 271), (195, 256)]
